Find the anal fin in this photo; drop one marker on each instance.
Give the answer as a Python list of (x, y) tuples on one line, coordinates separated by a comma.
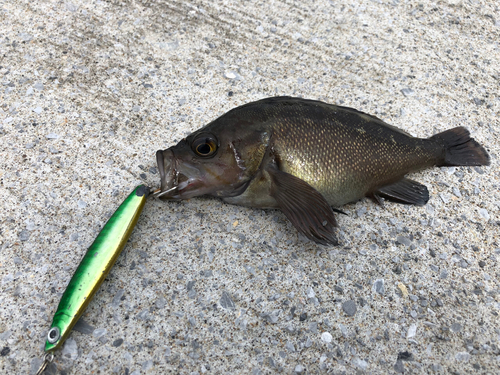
[(404, 191), (304, 206)]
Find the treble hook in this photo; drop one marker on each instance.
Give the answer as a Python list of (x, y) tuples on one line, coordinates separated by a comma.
[(158, 193), (47, 358)]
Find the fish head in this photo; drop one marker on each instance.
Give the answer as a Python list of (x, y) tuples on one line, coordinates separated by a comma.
[(219, 160)]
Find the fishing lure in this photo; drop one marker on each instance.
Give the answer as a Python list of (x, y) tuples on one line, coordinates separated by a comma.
[(93, 269)]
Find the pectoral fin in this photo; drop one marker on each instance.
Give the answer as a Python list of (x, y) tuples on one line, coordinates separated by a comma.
[(304, 206), (404, 191)]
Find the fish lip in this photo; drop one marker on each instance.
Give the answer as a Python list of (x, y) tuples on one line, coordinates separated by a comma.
[(172, 188), (168, 178), (161, 166)]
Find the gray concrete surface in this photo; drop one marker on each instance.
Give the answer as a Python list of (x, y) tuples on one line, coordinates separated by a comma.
[(90, 90)]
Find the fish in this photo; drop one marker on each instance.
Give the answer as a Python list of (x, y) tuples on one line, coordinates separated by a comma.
[(307, 158)]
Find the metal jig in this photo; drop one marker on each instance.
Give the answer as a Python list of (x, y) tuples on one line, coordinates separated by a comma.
[(93, 269)]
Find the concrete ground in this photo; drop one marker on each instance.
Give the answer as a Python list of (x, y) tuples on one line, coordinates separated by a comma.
[(91, 89)]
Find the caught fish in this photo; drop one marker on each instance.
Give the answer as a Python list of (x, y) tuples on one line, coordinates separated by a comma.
[(305, 157), (93, 269)]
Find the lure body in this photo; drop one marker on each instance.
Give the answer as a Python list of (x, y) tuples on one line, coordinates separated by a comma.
[(95, 266)]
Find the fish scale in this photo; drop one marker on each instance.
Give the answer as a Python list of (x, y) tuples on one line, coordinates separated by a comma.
[(305, 156), (343, 161)]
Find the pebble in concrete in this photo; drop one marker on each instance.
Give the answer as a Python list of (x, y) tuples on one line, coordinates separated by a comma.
[(349, 308)]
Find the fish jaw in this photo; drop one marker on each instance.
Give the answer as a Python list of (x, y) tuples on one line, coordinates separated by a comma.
[(166, 165), (183, 177), (178, 180)]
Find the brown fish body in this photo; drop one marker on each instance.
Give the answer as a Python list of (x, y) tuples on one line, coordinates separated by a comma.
[(342, 153), (303, 156)]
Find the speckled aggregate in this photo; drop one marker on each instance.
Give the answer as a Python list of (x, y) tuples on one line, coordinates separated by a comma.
[(90, 90)]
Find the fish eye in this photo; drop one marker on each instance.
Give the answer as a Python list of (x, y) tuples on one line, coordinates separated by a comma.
[(205, 145)]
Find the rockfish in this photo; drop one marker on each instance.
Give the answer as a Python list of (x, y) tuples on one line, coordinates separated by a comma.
[(305, 157)]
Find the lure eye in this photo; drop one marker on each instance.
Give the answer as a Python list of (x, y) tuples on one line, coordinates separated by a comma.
[(54, 335), (205, 145)]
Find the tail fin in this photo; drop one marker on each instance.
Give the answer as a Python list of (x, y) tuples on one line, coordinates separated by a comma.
[(461, 149)]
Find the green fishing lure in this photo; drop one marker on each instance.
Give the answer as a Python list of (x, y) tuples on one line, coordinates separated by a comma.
[(93, 269)]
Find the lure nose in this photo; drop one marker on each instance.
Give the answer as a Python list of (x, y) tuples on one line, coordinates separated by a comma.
[(166, 166)]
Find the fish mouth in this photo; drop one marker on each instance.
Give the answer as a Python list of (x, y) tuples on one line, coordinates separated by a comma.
[(185, 179), (169, 177), (178, 180)]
